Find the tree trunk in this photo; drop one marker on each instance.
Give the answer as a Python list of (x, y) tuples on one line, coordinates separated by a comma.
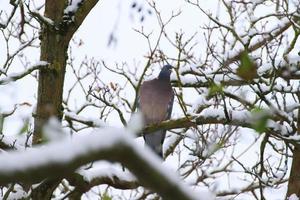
[(294, 180), (54, 46), (50, 85)]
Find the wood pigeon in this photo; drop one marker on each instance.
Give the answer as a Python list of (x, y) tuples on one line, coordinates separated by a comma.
[(155, 103)]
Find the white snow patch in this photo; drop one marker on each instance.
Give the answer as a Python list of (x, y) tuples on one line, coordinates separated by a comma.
[(53, 130), (14, 75), (96, 122), (73, 7), (293, 197), (106, 169), (136, 122)]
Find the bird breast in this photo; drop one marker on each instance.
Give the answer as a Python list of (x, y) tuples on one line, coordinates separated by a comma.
[(155, 97)]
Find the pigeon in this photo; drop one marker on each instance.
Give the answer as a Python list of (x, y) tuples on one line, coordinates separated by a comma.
[(156, 99)]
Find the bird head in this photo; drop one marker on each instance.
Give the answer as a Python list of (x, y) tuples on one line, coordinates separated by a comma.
[(165, 72)]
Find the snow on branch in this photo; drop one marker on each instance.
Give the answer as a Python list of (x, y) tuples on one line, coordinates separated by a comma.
[(248, 187), (17, 76), (204, 78), (60, 158), (104, 173), (42, 19), (73, 7), (10, 142), (237, 118), (76, 12), (70, 116), (282, 26), (191, 77)]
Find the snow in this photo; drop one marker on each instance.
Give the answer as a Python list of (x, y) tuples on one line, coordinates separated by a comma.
[(169, 141), (43, 18), (15, 75), (15, 142), (216, 78), (156, 164), (84, 144), (240, 116), (43, 155), (211, 149), (293, 197), (294, 137), (284, 129), (106, 169), (95, 122), (136, 123), (40, 63), (73, 7), (295, 59), (18, 193), (187, 68), (263, 69), (201, 101), (53, 130)]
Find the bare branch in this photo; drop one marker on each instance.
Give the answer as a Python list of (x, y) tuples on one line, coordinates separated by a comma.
[(17, 76)]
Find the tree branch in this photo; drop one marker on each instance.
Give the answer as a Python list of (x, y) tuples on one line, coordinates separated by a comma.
[(79, 15), (49, 162), (17, 76), (117, 180)]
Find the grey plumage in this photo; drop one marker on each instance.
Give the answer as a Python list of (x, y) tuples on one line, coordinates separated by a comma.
[(155, 102)]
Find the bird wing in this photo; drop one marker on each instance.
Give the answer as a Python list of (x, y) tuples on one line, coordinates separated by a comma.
[(156, 100)]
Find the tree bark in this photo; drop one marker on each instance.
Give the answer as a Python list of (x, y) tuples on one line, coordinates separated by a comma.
[(294, 180), (54, 45), (55, 40), (51, 80), (50, 83)]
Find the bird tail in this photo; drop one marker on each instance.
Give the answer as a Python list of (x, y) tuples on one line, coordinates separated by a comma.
[(155, 141)]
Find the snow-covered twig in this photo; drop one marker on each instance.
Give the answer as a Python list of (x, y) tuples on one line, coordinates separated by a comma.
[(247, 188), (217, 116), (42, 19), (16, 76), (107, 174), (87, 121)]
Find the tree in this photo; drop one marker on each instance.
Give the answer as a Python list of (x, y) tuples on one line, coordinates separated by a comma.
[(236, 113)]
